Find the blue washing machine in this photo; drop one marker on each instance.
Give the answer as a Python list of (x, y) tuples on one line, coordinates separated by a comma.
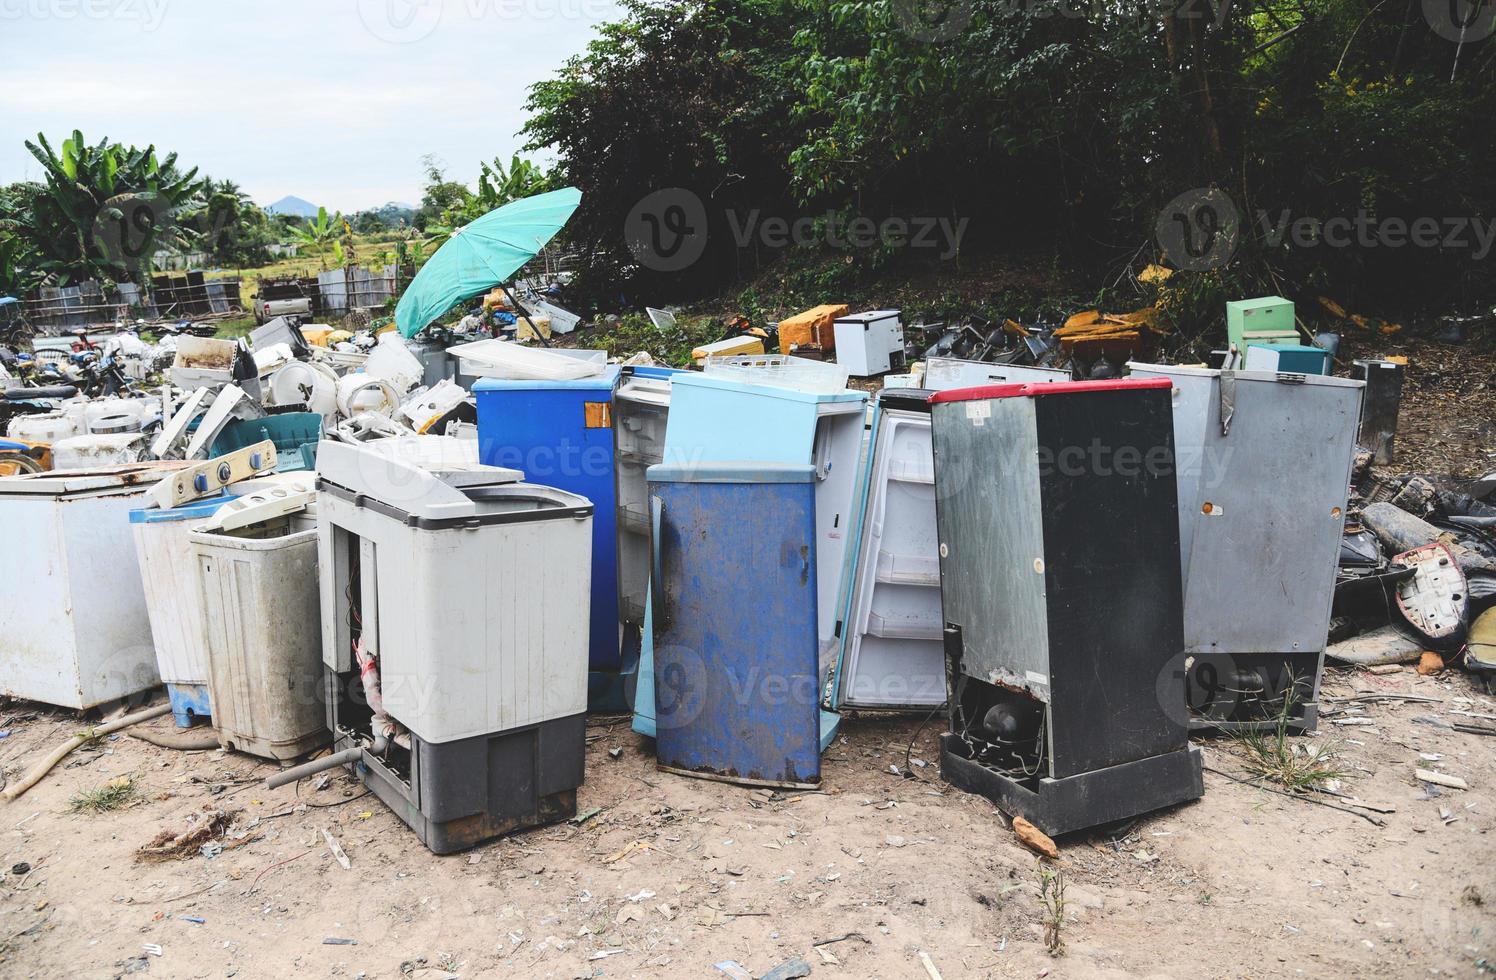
[(735, 630), (560, 434)]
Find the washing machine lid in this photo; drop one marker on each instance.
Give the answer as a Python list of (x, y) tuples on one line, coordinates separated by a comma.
[(425, 476), (62, 482)]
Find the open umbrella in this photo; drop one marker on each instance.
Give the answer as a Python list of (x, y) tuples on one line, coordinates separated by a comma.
[(483, 254)]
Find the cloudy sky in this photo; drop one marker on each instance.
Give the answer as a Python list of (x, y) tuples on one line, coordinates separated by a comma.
[(334, 101)]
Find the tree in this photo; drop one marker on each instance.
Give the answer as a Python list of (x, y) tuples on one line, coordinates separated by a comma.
[(104, 210), (498, 185), (20, 270), (1059, 130), (443, 201), (230, 227), (694, 94), (321, 232)]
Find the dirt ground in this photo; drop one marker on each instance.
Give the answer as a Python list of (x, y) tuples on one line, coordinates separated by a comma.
[(675, 875)]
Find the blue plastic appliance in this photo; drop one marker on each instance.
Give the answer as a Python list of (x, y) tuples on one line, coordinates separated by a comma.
[(737, 670), (713, 420), (560, 434)]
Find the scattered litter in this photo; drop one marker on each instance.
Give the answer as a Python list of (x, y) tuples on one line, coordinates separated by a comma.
[(734, 969), (337, 850), (335, 941), (586, 815), (208, 832), (1440, 779), (790, 969), (152, 949)]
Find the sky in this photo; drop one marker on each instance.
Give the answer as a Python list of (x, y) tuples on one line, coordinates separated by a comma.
[(334, 101)]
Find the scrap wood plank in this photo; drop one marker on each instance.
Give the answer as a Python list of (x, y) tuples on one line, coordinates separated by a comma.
[(1441, 779)]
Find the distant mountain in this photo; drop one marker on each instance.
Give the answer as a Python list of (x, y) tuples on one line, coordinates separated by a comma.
[(294, 206)]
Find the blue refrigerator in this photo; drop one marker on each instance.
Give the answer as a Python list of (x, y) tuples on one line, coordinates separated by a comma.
[(736, 639), (714, 419), (560, 434)]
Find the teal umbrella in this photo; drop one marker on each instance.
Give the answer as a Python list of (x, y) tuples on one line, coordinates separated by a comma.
[(483, 254)]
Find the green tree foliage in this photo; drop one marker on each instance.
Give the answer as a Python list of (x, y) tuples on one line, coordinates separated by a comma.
[(320, 233), (442, 200), (19, 262), (682, 93), (104, 209), (231, 228), (498, 185), (1060, 128)]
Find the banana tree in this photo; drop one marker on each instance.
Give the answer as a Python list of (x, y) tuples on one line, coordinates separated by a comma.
[(498, 184), (319, 232), (105, 208)]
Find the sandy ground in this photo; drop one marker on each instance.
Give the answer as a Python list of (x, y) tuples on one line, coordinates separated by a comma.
[(675, 875)]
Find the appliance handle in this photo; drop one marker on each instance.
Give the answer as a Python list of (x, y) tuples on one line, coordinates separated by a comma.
[(657, 560)]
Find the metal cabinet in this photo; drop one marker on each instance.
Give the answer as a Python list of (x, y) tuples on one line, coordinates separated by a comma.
[(1264, 463), (891, 655), (1059, 571)]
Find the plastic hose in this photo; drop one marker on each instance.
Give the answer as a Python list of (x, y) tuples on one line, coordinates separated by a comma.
[(315, 766), (61, 752)]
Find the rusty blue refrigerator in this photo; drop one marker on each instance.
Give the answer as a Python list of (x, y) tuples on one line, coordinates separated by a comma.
[(734, 619), (715, 419)]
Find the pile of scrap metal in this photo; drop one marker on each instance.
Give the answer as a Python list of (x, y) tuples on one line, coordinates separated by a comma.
[(1095, 345), (290, 383), (979, 339), (1417, 570)]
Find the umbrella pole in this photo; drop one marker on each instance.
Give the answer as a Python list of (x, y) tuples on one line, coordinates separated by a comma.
[(526, 317)]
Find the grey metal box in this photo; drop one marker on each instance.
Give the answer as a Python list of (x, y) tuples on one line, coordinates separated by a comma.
[(1264, 465)]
